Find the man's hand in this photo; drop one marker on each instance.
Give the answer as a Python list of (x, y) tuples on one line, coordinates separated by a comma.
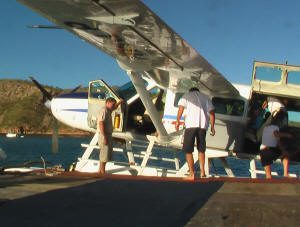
[(212, 131), (104, 140), (121, 101), (177, 125), (179, 114), (212, 123), (265, 104)]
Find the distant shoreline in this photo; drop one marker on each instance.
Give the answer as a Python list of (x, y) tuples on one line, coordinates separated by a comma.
[(50, 134)]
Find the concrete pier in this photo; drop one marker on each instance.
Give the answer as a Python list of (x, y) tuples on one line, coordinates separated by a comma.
[(74, 199)]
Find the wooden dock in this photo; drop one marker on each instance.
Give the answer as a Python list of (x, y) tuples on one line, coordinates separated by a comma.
[(73, 199)]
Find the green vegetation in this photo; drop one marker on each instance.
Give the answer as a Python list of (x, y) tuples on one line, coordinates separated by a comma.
[(294, 124), (25, 112), (21, 106)]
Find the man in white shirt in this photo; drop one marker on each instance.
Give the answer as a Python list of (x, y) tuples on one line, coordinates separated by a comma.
[(198, 112), (277, 107), (270, 150)]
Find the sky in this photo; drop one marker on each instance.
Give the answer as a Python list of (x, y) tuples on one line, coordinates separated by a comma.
[(230, 34)]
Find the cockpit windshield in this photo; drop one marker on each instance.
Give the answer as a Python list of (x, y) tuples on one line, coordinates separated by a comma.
[(127, 90)]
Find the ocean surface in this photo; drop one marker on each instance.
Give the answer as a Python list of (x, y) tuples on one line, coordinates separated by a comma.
[(31, 148)]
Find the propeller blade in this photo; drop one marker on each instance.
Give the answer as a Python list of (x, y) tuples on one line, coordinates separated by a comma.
[(54, 135), (41, 88), (76, 88)]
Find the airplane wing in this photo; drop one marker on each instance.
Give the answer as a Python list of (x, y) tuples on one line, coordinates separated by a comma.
[(138, 39)]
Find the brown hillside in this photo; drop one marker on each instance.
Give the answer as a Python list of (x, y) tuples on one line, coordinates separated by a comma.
[(21, 106)]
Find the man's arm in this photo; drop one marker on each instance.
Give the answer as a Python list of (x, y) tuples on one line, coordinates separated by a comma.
[(278, 134), (212, 122), (118, 104), (179, 114)]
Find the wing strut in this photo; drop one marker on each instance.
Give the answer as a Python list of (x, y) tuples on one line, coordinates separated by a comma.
[(140, 87)]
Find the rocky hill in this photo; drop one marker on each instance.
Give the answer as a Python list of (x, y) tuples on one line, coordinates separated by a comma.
[(21, 105)]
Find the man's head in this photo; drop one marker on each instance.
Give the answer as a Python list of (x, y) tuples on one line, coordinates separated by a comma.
[(193, 89), (110, 102), (285, 101)]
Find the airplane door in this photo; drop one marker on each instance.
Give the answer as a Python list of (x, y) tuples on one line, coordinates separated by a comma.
[(229, 124), (99, 91)]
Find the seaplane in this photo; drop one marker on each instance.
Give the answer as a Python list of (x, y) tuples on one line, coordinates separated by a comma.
[(161, 67)]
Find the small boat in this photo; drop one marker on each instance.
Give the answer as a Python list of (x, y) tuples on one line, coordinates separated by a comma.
[(14, 135), (11, 135), (23, 169)]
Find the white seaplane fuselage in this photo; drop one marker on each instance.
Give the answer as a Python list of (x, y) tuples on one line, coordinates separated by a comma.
[(72, 110)]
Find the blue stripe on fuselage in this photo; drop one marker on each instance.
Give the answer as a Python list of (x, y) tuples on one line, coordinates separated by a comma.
[(172, 117), (77, 95), (75, 110)]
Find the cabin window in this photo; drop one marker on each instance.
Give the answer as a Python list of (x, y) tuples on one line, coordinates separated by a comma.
[(158, 97), (177, 98), (268, 74), (293, 77), (234, 107), (294, 118), (154, 92)]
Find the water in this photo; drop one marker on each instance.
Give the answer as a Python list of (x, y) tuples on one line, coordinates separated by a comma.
[(31, 148)]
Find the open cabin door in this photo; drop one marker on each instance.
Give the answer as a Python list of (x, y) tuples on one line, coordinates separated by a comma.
[(276, 79), (99, 91)]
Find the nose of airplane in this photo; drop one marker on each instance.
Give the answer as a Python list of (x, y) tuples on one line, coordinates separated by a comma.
[(55, 106)]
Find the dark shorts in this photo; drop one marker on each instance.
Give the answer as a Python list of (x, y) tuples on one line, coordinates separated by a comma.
[(190, 134), (269, 155)]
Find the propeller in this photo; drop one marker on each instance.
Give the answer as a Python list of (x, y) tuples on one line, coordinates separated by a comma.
[(76, 88), (54, 135), (45, 93), (47, 97)]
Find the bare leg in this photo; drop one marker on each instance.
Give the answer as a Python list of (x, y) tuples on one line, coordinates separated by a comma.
[(202, 163), (268, 171), (190, 162), (102, 167), (285, 163)]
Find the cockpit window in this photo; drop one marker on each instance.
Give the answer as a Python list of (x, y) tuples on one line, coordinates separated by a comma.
[(127, 90), (99, 91), (177, 98), (234, 107)]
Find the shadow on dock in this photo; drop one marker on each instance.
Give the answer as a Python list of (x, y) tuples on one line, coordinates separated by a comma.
[(60, 201)]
